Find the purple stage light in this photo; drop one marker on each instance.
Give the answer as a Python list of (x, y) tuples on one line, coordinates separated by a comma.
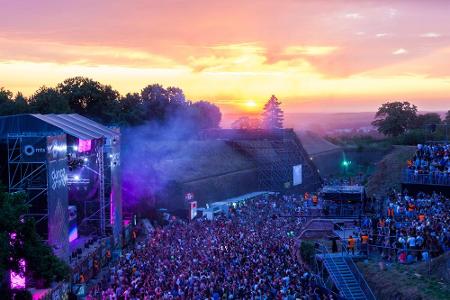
[(84, 145), (17, 280), (73, 234)]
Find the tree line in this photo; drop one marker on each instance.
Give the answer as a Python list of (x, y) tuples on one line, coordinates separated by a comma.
[(401, 121), (104, 104)]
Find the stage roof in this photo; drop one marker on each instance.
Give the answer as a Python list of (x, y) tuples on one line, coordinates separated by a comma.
[(51, 124)]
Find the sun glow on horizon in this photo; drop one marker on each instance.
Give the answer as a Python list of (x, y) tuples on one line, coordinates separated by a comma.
[(321, 56), (250, 106), (250, 103)]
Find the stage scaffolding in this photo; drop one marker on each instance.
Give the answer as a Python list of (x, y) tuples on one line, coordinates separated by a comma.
[(28, 175), (94, 212), (31, 176)]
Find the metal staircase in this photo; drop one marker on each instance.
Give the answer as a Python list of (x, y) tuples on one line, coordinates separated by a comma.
[(343, 273), (343, 277)]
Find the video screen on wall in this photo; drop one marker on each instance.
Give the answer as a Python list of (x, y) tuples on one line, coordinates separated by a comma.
[(297, 175)]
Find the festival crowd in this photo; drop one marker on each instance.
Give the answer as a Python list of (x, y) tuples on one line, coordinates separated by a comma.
[(251, 253), (430, 160), (414, 229)]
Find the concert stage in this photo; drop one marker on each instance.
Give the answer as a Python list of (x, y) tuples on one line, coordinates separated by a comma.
[(69, 167)]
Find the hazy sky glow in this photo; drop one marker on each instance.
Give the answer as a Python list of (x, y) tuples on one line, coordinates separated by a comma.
[(314, 55)]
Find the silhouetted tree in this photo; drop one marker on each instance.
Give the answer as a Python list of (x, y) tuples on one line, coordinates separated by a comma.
[(427, 120), (394, 118), (7, 105), (49, 101), (175, 95), (21, 104), (132, 110), (272, 117), (155, 102), (162, 104), (246, 123), (5, 95), (91, 98), (206, 114), (447, 117)]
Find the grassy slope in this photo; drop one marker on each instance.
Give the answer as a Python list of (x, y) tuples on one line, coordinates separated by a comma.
[(388, 172), (409, 282)]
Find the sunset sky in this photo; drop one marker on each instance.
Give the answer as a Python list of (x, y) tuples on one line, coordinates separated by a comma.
[(316, 56)]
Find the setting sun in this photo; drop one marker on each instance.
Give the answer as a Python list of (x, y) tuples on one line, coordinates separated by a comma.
[(250, 104)]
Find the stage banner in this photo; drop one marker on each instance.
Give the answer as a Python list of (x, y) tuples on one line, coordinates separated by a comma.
[(33, 149), (56, 148), (57, 196), (116, 190)]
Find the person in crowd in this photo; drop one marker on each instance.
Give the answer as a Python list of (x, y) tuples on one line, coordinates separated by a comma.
[(351, 245), (365, 243)]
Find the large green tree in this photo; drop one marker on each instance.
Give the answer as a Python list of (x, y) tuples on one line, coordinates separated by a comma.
[(394, 118), (49, 101), (91, 98)]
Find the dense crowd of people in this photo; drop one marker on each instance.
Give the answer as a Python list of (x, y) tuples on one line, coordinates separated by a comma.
[(413, 228), (249, 254), (432, 161)]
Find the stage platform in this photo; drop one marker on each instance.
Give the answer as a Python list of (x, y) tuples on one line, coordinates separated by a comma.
[(86, 252)]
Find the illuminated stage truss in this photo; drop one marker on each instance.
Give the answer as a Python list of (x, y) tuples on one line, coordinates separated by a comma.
[(28, 175)]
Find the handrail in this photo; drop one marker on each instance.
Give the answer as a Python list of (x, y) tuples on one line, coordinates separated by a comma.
[(365, 286), (335, 279), (325, 252), (432, 178)]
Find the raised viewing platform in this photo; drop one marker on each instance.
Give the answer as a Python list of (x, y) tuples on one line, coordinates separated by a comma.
[(432, 178)]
